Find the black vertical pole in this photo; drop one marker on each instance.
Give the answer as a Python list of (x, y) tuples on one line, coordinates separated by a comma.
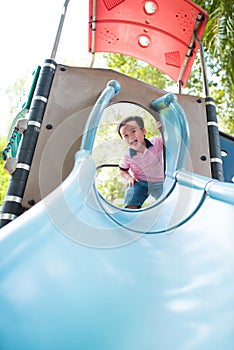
[(212, 124), (12, 204), (214, 140)]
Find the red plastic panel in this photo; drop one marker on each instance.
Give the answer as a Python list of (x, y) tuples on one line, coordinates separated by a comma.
[(157, 32)]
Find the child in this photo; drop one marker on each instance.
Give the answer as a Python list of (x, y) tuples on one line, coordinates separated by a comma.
[(142, 164)]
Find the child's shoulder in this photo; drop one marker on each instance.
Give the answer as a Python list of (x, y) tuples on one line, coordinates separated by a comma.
[(156, 140)]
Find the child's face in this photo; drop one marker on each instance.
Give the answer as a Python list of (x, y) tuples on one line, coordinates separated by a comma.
[(133, 135)]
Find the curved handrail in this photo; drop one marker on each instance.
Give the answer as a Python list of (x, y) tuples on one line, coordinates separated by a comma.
[(111, 89), (175, 132)]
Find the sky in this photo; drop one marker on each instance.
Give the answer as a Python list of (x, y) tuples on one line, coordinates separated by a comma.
[(27, 31)]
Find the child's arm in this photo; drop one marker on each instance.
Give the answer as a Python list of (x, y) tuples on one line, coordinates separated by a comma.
[(126, 176)]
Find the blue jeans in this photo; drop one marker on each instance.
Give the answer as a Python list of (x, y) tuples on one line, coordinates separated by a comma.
[(137, 194)]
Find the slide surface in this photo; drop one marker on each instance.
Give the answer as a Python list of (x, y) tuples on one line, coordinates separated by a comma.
[(78, 273)]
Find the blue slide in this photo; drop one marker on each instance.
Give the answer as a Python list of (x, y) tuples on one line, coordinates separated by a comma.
[(77, 272)]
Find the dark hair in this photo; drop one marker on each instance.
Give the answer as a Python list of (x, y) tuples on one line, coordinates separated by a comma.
[(135, 118)]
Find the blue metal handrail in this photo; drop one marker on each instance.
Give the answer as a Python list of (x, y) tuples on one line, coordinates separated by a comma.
[(175, 132), (111, 89)]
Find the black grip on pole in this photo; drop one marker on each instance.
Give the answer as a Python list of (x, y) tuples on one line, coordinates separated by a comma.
[(12, 206), (214, 140)]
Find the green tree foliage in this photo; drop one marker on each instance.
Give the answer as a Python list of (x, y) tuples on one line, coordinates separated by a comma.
[(219, 50), (14, 94), (218, 38), (138, 70)]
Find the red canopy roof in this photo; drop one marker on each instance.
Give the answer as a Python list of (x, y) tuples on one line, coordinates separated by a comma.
[(160, 32)]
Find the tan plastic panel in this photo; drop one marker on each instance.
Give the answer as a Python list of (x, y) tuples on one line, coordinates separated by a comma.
[(73, 94)]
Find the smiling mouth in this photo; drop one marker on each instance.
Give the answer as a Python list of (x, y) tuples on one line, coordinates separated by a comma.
[(133, 143)]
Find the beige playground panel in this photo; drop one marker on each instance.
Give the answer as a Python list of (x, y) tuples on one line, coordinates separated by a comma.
[(73, 94)]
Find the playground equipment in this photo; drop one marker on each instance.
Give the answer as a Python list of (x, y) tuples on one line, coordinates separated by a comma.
[(77, 271)]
